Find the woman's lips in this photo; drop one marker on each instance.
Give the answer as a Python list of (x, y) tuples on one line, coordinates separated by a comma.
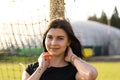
[(54, 49)]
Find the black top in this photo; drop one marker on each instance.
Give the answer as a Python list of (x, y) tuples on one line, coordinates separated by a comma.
[(54, 73)]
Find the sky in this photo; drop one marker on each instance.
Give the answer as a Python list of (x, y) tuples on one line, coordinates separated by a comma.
[(82, 9), (19, 10)]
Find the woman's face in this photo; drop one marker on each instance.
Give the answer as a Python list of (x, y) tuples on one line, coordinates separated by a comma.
[(56, 41)]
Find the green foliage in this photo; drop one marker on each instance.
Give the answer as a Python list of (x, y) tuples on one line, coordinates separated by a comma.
[(21, 51), (115, 19), (93, 18), (30, 51), (103, 18)]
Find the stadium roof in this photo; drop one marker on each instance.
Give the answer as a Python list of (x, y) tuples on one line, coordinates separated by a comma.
[(94, 33)]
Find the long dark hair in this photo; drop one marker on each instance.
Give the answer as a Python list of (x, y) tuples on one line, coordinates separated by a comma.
[(66, 26)]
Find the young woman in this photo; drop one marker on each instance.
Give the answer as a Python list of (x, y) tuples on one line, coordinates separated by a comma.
[(62, 56)]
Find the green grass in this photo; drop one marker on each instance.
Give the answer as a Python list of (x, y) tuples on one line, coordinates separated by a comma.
[(18, 58), (107, 70), (12, 70), (11, 67)]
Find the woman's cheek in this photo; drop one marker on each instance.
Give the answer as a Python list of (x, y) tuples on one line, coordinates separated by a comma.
[(47, 44)]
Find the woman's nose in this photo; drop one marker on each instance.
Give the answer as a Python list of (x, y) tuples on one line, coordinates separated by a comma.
[(53, 42)]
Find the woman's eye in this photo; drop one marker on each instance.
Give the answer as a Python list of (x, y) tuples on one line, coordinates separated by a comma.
[(60, 38), (49, 37)]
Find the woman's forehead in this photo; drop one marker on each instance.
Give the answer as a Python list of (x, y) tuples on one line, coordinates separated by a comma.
[(57, 32)]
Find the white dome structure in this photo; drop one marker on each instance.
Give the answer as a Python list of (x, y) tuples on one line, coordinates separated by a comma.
[(95, 34)]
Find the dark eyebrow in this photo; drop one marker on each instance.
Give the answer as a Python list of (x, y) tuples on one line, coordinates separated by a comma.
[(49, 35), (60, 36), (57, 36)]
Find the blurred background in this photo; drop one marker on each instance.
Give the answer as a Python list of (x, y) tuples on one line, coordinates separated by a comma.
[(96, 24)]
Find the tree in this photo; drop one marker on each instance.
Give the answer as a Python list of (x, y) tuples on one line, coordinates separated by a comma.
[(56, 9), (93, 18), (115, 20), (103, 18)]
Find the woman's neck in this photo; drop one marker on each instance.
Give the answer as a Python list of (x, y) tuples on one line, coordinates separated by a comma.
[(58, 62)]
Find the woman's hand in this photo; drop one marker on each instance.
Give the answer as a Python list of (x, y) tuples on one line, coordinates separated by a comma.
[(44, 60), (69, 55)]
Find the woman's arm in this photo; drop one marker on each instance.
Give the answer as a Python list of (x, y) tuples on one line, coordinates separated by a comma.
[(35, 76), (85, 70), (43, 64), (25, 75)]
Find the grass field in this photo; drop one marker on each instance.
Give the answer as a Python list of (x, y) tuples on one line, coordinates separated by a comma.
[(10, 71), (106, 70)]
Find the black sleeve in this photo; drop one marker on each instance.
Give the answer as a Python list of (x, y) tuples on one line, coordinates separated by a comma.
[(31, 68)]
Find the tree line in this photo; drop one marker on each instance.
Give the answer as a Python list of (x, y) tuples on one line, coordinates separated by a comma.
[(113, 21)]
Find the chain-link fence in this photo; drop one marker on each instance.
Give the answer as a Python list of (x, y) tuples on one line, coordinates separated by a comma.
[(20, 44)]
